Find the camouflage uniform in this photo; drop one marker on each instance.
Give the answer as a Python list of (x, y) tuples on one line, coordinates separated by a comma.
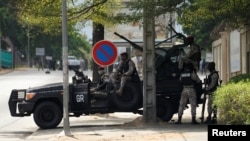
[(193, 57), (212, 85), (128, 71), (101, 85), (102, 82), (188, 78)]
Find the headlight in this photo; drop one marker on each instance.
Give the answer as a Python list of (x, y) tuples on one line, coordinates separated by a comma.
[(20, 94), (30, 95)]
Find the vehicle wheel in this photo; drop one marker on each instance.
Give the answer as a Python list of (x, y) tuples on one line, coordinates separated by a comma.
[(164, 109), (130, 99), (48, 115)]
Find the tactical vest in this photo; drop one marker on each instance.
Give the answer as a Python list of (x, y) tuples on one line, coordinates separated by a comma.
[(210, 80), (125, 67), (186, 78)]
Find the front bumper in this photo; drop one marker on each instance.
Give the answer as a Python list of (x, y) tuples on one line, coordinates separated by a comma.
[(18, 106)]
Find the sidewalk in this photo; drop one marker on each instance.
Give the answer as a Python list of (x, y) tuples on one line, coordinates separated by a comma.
[(125, 127), (4, 71)]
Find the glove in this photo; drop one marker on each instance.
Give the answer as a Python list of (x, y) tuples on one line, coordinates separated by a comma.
[(92, 89)]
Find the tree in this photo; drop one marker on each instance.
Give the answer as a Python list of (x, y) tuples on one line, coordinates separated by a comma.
[(206, 18), (41, 22), (12, 33), (196, 22)]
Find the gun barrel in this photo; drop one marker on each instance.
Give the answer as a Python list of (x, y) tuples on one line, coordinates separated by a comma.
[(129, 41)]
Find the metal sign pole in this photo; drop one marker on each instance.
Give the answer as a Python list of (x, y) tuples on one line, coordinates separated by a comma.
[(66, 125)]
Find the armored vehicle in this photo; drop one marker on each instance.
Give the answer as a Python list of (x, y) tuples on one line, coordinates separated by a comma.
[(46, 102)]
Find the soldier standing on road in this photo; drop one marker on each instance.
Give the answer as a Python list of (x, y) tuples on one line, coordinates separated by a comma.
[(40, 63), (212, 82), (127, 70), (188, 78), (193, 56)]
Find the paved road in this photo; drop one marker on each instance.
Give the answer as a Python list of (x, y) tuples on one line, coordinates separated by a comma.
[(14, 128)]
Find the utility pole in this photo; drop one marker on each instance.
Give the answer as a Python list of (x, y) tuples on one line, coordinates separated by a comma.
[(28, 50), (0, 47), (149, 89), (66, 125)]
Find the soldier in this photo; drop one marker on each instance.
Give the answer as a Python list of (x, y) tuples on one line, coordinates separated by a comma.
[(212, 82), (102, 82), (127, 70), (193, 56), (188, 78)]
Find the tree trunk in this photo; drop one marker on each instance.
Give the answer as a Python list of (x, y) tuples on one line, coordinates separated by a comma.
[(98, 34)]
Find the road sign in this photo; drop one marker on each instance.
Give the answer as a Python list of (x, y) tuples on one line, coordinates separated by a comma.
[(40, 51), (104, 53)]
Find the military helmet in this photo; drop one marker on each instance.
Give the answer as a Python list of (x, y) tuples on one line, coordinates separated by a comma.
[(211, 66), (190, 39)]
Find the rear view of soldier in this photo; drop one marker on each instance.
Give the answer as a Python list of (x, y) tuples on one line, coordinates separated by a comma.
[(193, 56), (212, 82), (188, 78)]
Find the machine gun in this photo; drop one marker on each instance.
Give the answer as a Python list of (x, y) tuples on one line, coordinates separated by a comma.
[(178, 35), (131, 43), (163, 56)]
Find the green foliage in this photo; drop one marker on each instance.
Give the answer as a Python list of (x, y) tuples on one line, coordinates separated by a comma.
[(136, 9), (198, 21), (203, 17), (233, 102), (240, 78), (78, 46)]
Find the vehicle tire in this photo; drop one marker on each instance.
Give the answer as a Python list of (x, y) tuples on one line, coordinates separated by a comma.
[(130, 99), (164, 109), (48, 115)]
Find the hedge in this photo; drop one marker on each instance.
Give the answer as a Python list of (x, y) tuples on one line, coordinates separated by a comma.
[(233, 101)]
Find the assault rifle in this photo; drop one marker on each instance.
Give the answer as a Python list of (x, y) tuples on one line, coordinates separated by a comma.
[(204, 100)]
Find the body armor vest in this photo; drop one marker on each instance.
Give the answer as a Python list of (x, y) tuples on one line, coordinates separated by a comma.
[(186, 78), (210, 80), (125, 67)]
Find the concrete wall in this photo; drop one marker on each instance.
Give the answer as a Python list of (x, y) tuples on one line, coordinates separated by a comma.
[(223, 51)]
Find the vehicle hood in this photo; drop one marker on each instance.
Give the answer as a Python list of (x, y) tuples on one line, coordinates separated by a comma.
[(47, 87)]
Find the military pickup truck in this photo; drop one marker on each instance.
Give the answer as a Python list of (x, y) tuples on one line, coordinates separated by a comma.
[(46, 102)]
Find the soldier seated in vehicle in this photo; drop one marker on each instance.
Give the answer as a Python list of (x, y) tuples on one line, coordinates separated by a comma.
[(126, 71), (102, 82)]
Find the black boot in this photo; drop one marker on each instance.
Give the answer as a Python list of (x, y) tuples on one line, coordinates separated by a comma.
[(179, 120), (208, 120), (194, 121), (214, 120)]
